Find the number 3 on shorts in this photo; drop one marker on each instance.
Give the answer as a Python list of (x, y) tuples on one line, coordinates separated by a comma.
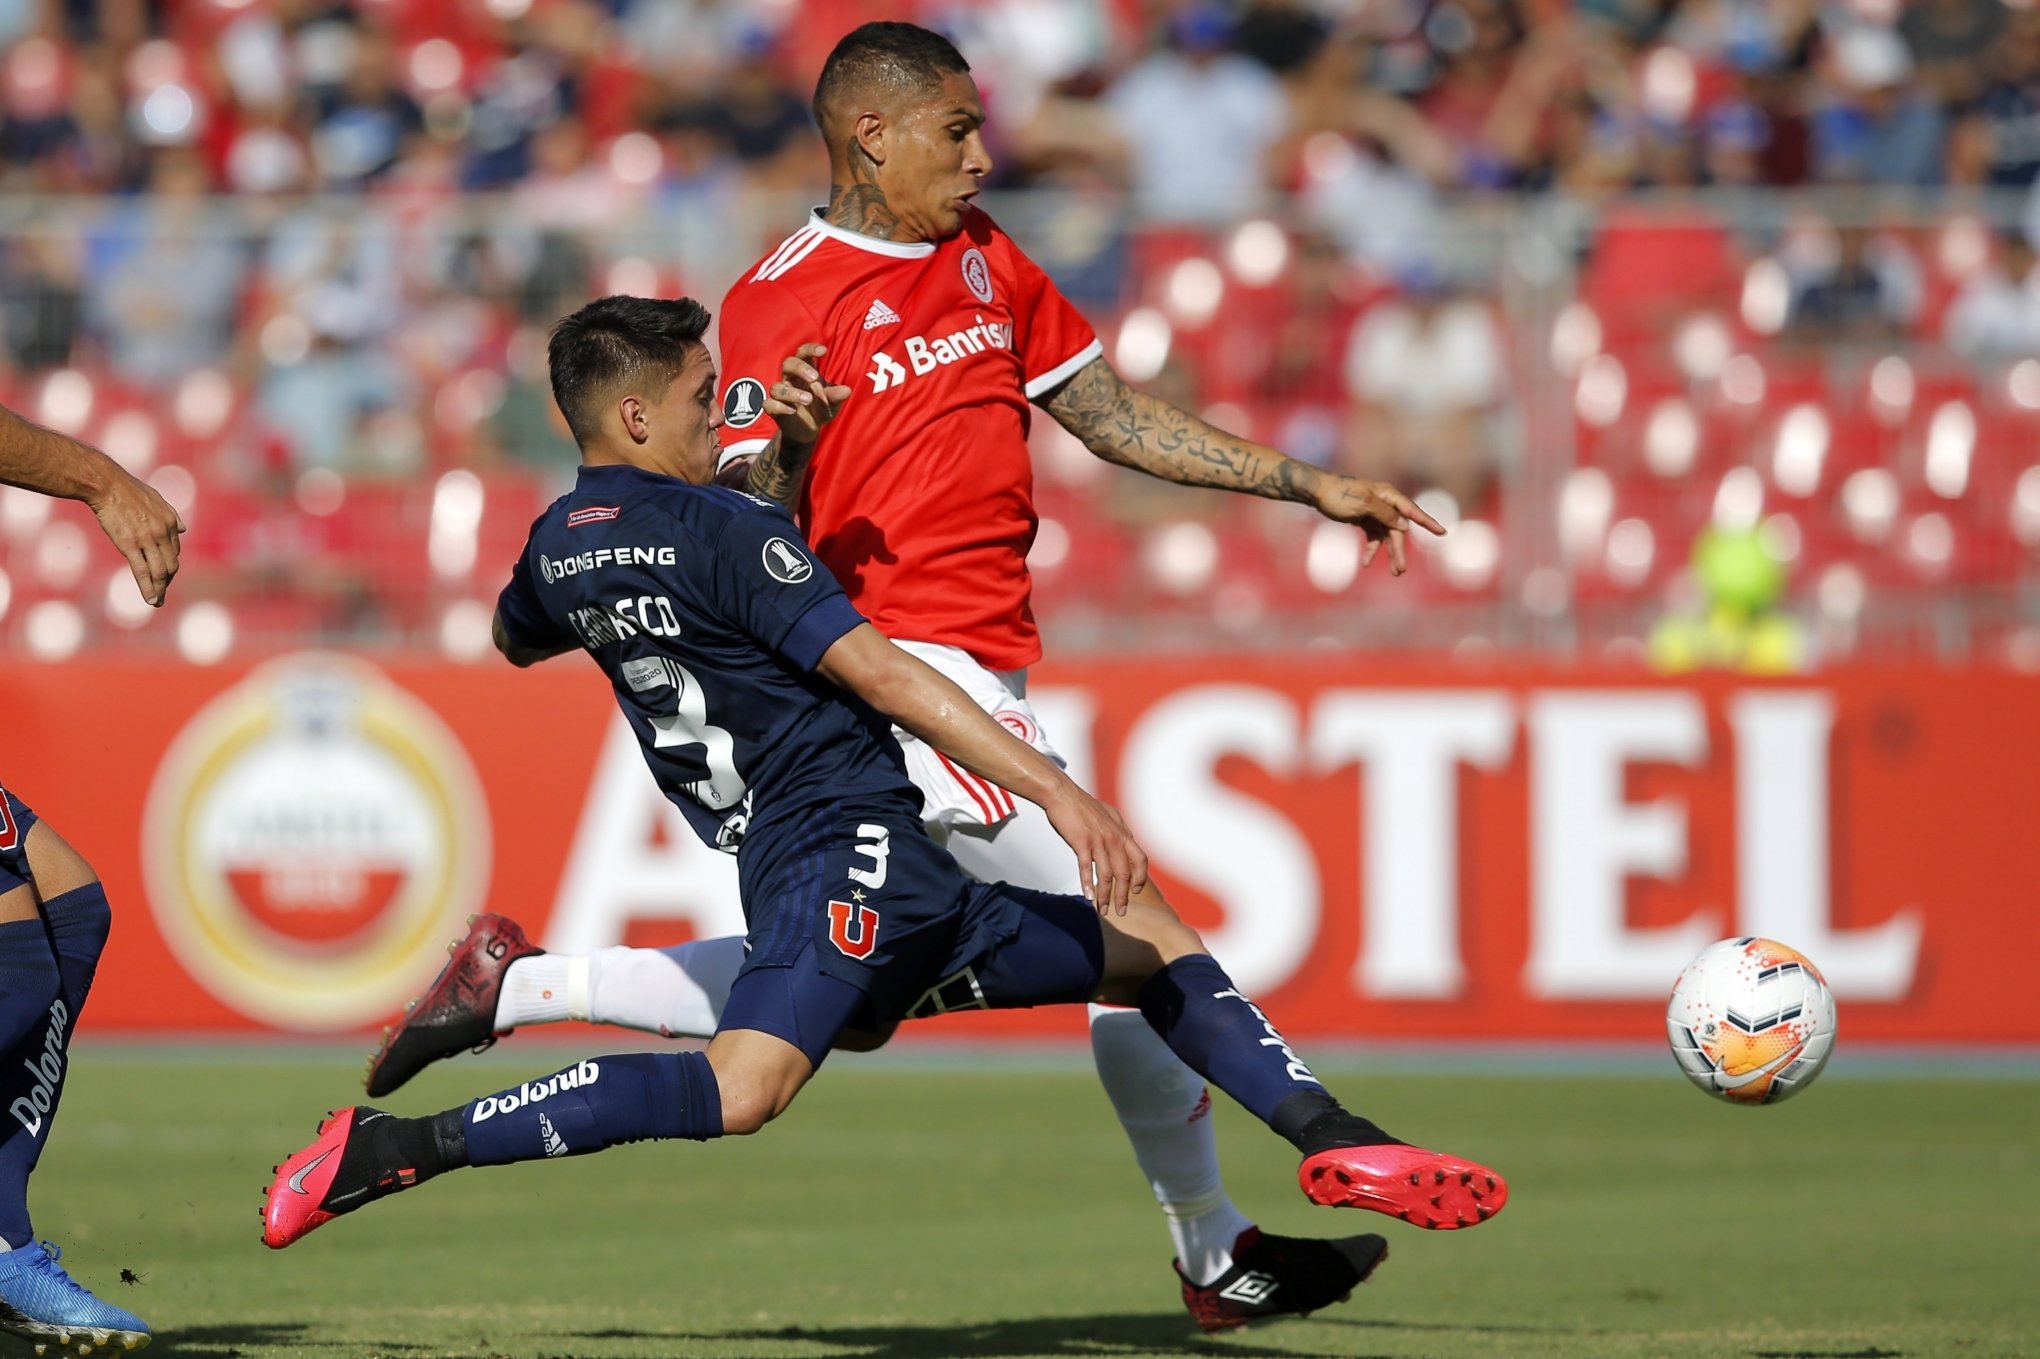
[(875, 844)]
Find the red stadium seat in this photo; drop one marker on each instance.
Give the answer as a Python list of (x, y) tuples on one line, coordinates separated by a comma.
[(512, 500), (1648, 266), (1644, 538)]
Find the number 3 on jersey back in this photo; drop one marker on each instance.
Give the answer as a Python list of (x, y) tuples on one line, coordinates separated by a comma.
[(688, 725)]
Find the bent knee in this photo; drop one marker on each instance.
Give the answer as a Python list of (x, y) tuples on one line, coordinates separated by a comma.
[(1139, 944), (756, 1076), (1180, 941), (747, 1111), (755, 1092), (56, 867), (1157, 921), (741, 1118), (20, 903), (1160, 927)]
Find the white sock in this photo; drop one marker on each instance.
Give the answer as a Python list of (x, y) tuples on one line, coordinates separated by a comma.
[(543, 989), (1166, 1112), (676, 992)]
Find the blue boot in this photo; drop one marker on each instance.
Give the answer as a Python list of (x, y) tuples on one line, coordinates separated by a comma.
[(41, 1303)]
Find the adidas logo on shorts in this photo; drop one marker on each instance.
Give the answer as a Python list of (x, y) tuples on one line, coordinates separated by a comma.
[(880, 315)]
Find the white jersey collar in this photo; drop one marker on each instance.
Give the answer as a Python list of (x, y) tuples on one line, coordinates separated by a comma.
[(906, 250)]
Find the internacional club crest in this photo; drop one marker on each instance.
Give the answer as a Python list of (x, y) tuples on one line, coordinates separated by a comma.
[(977, 275)]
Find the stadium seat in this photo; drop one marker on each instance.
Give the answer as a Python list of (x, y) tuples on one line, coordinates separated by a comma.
[(1647, 267), (381, 532), (2007, 443), (1627, 538)]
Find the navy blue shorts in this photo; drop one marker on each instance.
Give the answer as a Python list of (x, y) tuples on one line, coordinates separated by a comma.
[(15, 819), (862, 920)]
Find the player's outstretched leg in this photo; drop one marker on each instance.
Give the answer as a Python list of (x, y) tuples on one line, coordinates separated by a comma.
[(1217, 1031), (1230, 1272), (362, 1154), (496, 980), (782, 1022)]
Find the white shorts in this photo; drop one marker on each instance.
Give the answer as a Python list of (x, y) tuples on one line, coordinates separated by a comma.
[(952, 796)]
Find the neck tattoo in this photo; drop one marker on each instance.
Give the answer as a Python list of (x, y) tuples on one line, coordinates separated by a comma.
[(860, 204)]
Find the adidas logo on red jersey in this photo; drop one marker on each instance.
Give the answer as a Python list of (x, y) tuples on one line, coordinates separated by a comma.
[(880, 315)]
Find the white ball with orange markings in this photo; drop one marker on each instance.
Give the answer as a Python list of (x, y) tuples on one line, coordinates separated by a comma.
[(1751, 1021)]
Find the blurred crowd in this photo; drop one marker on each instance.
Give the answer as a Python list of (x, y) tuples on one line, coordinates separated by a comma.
[(344, 224), (1200, 106)]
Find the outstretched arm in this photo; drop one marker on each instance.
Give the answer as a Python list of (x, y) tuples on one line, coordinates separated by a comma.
[(138, 521), (931, 706), (1129, 427)]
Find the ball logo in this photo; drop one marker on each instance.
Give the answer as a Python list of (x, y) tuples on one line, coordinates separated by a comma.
[(743, 403), (977, 275), (311, 839), (786, 563)]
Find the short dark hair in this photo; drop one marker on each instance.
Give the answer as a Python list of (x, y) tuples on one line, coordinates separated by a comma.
[(617, 341), (902, 56)]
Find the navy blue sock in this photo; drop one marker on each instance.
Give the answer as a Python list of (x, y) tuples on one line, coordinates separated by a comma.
[(35, 1031), (1224, 1037), (597, 1102), (78, 922)]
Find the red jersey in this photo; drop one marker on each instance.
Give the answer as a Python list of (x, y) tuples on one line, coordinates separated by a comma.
[(920, 497)]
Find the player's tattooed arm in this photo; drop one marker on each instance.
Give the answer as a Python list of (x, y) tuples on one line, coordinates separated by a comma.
[(777, 471), (801, 402), (1132, 428), (136, 519), (1122, 424)]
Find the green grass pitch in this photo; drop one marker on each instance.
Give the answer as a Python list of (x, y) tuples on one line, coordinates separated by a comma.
[(905, 1209)]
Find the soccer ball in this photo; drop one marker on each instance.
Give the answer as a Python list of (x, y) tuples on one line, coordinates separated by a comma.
[(1751, 1021)]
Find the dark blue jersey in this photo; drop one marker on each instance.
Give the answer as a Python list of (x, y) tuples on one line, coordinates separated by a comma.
[(15, 821), (708, 613)]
